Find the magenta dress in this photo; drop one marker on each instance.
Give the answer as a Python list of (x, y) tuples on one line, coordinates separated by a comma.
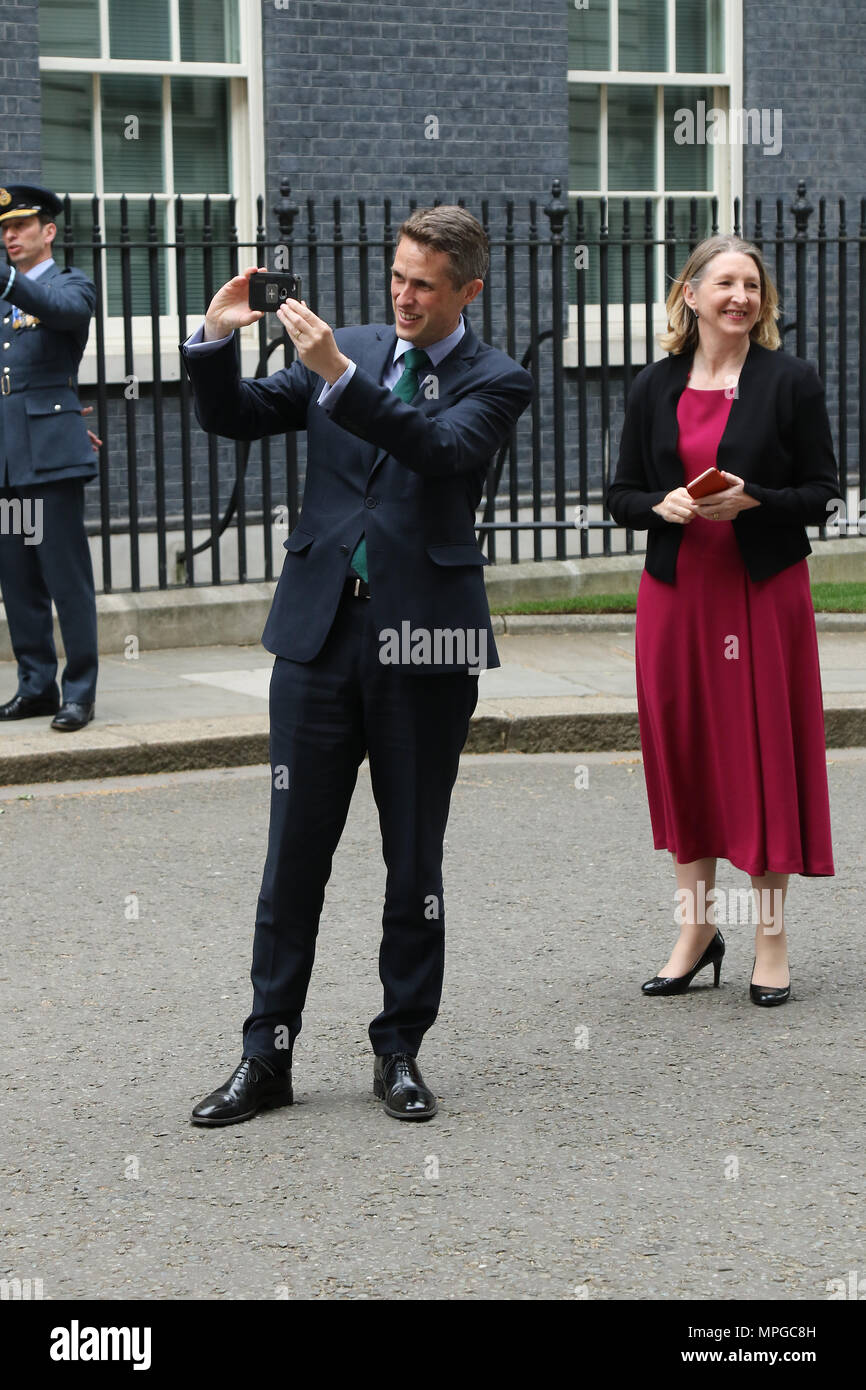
[(729, 694)]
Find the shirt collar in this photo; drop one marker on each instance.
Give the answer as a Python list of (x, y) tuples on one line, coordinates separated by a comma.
[(39, 269), (436, 351)]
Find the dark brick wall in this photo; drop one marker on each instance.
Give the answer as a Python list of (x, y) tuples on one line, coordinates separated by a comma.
[(808, 60), (19, 92), (349, 88)]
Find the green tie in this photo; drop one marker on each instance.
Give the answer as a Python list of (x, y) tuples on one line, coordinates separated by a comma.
[(414, 360)]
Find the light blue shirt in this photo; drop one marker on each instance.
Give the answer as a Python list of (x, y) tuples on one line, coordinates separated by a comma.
[(39, 269), (329, 395), (436, 352)]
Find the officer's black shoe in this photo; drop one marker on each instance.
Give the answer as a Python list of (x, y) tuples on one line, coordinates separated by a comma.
[(253, 1086), (28, 706), (398, 1082), (72, 716)]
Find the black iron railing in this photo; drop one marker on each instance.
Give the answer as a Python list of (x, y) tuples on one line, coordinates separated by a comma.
[(577, 302)]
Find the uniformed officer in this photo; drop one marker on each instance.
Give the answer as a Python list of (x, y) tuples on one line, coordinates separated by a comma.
[(45, 459)]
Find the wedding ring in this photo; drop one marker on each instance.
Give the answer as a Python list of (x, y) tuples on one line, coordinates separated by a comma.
[(715, 516)]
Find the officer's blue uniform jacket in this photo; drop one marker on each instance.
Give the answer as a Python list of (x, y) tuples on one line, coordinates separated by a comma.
[(43, 436)]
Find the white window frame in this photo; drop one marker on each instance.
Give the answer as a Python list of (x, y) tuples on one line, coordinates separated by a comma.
[(246, 176), (727, 176)]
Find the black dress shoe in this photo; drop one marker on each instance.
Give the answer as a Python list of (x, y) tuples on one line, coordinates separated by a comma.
[(767, 995), (72, 716), (398, 1082), (678, 984), (253, 1086), (28, 706)]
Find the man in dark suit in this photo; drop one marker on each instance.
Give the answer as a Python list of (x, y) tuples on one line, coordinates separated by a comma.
[(45, 459), (379, 625)]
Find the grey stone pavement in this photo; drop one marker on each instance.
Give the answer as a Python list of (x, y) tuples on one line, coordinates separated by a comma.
[(565, 684), (590, 1143)]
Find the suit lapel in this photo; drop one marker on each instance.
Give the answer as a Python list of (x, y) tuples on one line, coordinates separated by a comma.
[(375, 361), (49, 274)]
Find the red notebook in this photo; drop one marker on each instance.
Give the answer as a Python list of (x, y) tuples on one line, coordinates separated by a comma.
[(705, 483)]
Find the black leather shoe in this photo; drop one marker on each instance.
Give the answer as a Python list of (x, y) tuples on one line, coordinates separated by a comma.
[(72, 716), (678, 984), (398, 1082), (28, 706), (766, 995), (253, 1086)]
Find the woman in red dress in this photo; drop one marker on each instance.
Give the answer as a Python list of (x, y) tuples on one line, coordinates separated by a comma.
[(728, 682)]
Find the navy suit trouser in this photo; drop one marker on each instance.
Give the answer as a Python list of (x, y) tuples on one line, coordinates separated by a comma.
[(59, 568), (324, 716)]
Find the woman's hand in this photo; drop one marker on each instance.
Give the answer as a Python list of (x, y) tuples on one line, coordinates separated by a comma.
[(678, 506), (724, 506)]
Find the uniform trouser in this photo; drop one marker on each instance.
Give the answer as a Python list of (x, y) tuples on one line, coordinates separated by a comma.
[(59, 568), (325, 715)]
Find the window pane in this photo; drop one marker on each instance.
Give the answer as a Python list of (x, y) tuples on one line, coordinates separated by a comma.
[(139, 29), (67, 132), (592, 273), (69, 28), (193, 220), (137, 217), (631, 138), (209, 31), (643, 35), (689, 164), (132, 134), (589, 35), (699, 36), (583, 138), (200, 131)]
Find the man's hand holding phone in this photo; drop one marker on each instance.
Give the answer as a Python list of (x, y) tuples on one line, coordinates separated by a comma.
[(230, 307), (313, 339)]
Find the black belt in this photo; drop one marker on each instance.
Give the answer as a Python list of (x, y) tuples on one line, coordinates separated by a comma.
[(356, 588)]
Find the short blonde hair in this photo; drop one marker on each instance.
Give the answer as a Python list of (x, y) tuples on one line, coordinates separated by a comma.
[(682, 333)]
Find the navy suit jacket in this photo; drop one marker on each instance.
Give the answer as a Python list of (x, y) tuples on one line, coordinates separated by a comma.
[(408, 476), (42, 433)]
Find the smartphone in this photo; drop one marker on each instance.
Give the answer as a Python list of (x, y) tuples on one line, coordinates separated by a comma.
[(271, 288), (706, 483)]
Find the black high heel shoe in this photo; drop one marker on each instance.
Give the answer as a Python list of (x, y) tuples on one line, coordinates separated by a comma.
[(766, 995), (678, 984)]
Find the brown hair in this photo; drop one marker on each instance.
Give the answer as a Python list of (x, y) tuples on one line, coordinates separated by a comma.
[(682, 331), (451, 229)]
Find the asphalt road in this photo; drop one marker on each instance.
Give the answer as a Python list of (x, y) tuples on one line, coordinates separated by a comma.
[(590, 1143)]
